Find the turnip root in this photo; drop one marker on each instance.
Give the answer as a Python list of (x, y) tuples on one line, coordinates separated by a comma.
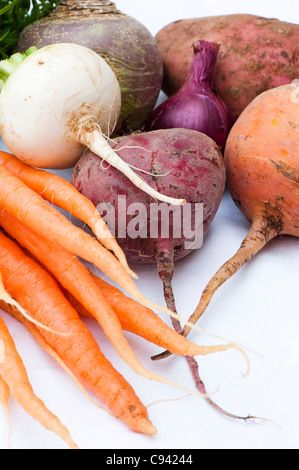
[(56, 102), (256, 54), (262, 163), (188, 163)]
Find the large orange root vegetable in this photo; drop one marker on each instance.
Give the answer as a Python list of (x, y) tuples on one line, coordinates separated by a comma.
[(262, 162)]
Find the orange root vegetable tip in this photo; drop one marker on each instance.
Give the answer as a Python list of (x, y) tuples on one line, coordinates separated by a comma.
[(165, 265), (47, 348), (144, 426), (250, 246), (15, 375)]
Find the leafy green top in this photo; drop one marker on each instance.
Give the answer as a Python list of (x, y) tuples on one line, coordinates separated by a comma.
[(15, 15)]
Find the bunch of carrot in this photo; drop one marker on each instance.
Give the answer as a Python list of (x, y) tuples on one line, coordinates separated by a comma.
[(46, 286)]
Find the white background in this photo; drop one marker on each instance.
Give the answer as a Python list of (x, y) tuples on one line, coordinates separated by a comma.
[(258, 308)]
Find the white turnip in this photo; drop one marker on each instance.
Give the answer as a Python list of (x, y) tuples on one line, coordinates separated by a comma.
[(57, 101)]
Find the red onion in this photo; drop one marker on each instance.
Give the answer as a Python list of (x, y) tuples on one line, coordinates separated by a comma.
[(196, 105)]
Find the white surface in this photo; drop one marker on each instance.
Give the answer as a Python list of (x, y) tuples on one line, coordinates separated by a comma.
[(257, 308)]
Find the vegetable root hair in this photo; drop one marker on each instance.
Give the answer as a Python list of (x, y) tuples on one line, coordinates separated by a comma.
[(257, 237)]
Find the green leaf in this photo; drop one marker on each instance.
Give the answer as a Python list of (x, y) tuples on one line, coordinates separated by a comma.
[(15, 15)]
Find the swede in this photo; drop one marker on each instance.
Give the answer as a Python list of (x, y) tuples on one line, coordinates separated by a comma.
[(125, 43), (262, 163), (56, 102)]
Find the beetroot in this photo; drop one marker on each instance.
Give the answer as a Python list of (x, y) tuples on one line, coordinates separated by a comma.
[(179, 162)]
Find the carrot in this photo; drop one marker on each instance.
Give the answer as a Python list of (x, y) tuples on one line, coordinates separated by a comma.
[(86, 288), (26, 205), (29, 207), (14, 374), (37, 292), (63, 194)]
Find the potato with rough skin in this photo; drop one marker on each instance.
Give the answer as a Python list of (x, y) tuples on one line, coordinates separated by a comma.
[(256, 54)]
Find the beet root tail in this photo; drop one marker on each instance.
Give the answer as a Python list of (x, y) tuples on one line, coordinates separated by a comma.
[(165, 266)]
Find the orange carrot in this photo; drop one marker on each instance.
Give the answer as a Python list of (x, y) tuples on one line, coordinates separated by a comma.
[(38, 293), (87, 290), (62, 194), (29, 207), (26, 205), (7, 299), (14, 374)]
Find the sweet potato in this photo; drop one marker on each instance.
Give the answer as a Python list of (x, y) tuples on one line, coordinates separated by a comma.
[(256, 54)]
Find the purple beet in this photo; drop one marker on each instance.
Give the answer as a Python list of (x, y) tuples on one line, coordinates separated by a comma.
[(181, 163)]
